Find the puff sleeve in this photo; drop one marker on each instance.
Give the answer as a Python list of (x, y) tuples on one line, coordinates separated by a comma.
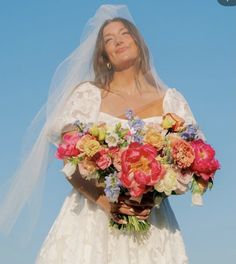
[(83, 104), (176, 103)]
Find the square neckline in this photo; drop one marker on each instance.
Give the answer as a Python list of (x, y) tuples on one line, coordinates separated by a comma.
[(123, 119)]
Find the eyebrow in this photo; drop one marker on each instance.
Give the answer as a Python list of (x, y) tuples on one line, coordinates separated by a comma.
[(110, 34)]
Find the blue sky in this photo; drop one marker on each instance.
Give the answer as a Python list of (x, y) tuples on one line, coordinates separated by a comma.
[(193, 45)]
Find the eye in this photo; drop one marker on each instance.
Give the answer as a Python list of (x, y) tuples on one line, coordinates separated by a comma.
[(125, 33), (107, 40)]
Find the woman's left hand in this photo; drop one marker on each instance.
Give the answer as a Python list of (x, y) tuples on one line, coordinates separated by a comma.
[(127, 206)]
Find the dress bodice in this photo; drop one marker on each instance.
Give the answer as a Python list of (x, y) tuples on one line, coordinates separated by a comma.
[(105, 117), (84, 104)]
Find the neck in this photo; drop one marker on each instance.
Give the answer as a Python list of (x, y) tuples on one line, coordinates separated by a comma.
[(124, 81), (124, 77)]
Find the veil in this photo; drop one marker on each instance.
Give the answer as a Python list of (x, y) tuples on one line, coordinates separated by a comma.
[(24, 190)]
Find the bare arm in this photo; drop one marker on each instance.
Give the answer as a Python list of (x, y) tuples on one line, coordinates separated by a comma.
[(88, 188)]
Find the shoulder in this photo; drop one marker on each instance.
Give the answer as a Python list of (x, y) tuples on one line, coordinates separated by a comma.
[(82, 94), (175, 94), (87, 86), (172, 91)]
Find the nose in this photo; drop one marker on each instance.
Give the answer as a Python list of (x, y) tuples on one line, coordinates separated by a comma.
[(118, 40)]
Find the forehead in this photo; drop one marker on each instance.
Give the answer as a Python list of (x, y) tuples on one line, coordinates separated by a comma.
[(113, 28)]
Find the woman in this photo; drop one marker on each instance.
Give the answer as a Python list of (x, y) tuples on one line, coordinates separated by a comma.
[(122, 77)]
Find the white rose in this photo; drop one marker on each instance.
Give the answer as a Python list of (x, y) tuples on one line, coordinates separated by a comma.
[(168, 183), (112, 139), (69, 169)]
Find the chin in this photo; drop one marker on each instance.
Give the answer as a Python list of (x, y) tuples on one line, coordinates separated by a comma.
[(126, 62)]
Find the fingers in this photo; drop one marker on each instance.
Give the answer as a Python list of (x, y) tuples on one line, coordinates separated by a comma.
[(142, 217), (143, 203), (116, 219), (123, 209), (147, 200), (128, 210)]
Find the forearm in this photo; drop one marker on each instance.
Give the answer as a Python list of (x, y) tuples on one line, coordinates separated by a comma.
[(90, 190)]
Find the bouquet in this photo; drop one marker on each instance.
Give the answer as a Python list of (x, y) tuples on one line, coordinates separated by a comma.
[(141, 158)]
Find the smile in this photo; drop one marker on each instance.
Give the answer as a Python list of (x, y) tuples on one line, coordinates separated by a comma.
[(121, 50)]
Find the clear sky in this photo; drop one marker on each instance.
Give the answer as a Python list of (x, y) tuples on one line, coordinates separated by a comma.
[(193, 45)]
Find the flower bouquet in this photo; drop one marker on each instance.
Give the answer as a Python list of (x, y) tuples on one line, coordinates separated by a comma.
[(163, 159)]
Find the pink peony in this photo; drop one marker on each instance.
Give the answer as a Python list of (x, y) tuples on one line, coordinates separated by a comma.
[(205, 164), (140, 169), (102, 159), (113, 150), (68, 147)]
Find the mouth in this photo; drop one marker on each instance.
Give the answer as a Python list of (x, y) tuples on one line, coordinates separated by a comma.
[(120, 50)]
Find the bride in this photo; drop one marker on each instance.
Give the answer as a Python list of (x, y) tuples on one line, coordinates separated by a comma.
[(122, 77)]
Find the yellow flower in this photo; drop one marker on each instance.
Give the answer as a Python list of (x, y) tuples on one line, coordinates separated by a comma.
[(154, 138), (82, 141), (101, 133), (91, 147), (94, 130)]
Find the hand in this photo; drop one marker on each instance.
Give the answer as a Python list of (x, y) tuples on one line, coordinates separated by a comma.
[(127, 206)]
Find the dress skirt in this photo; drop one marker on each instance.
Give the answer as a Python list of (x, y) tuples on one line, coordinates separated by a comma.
[(81, 235)]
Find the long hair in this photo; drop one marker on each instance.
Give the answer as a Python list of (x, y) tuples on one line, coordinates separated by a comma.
[(103, 75)]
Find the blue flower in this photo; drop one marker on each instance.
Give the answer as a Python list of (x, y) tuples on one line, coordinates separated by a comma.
[(190, 133), (138, 138), (129, 114), (83, 127), (112, 189), (137, 124), (77, 123)]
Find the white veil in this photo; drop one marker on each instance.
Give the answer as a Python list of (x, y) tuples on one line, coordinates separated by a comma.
[(24, 189)]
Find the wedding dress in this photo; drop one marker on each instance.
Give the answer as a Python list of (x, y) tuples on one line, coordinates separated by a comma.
[(80, 233)]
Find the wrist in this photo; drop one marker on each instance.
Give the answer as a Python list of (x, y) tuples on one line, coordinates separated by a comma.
[(104, 203)]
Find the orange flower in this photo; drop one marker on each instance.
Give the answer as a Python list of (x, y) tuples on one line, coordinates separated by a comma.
[(182, 152), (173, 122)]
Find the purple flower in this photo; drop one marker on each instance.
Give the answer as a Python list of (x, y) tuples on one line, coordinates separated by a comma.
[(137, 124), (83, 127), (137, 138), (190, 133), (77, 122), (129, 114), (112, 189)]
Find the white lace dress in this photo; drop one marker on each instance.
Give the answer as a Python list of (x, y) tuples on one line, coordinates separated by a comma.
[(80, 233)]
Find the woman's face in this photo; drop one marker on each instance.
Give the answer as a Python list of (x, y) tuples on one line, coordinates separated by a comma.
[(120, 46)]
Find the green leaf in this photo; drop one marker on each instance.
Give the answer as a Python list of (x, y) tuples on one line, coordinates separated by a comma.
[(210, 184), (133, 224)]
